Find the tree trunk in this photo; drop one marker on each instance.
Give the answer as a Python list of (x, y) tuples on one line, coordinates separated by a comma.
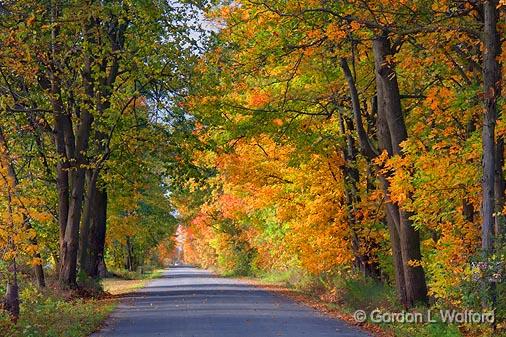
[(391, 210), (395, 243), (11, 300), (364, 263), (499, 219), (93, 228), (68, 265), (493, 153), (364, 142), (98, 230), (88, 210), (62, 175), (386, 79), (129, 257), (490, 90)]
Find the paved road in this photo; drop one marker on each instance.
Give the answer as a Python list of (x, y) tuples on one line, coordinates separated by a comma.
[(189, 302)]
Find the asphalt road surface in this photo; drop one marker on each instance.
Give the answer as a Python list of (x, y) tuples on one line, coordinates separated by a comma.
[(190, 302)]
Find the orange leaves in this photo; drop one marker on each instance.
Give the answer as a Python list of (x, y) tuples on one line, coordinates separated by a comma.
[(355, 25), (277, 122), (258, 98), (306, 199), (439, 98), (31, 20), (335, 33), (230, 206)]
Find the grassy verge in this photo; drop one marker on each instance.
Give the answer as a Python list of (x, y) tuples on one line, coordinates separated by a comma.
[(127, 282), (53, 313)]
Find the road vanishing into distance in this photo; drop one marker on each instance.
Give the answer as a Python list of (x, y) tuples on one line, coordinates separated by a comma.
[(190, 302)]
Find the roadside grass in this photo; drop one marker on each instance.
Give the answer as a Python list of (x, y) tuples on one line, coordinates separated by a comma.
[(52, 313), (341, 297), (124, 282), (55, 313)]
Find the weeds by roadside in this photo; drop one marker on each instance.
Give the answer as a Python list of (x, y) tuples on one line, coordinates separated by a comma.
[(54, 313)]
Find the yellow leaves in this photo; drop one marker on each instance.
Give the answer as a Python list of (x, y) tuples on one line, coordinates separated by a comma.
[(335, 33), (36, 261), (225, 12), (31, 20), (501, 127), (381, 159), (307, 200), (438, 98)]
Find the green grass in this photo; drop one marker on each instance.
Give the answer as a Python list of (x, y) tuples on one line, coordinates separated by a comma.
[(126, 282), (148, 273), (49, 314), (52, 313)]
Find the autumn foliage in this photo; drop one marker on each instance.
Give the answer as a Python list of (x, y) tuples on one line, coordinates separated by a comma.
[(346, 138)]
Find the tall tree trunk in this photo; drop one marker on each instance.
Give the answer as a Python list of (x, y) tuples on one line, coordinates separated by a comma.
[(93, 227), (62, 173), (414, 276), (88, 210), (365, 145), (129, 258), (391, 210), (490, 89), (68, 265), (97, 234), (364, 262), (499, 186), (493, 155)]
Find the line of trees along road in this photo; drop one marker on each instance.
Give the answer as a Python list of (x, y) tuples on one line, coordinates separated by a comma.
[(87, 133), (325, 140), (334, 126)]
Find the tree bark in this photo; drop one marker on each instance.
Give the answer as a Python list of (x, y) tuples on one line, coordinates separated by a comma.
[(129, 258), (386, 79), (499, 219), (364, 142), (98, 230), (93, 228), (490, 91), (62, 172), (391, 210), (88, 210), (493, 152), (68, 265), (11, 300)]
